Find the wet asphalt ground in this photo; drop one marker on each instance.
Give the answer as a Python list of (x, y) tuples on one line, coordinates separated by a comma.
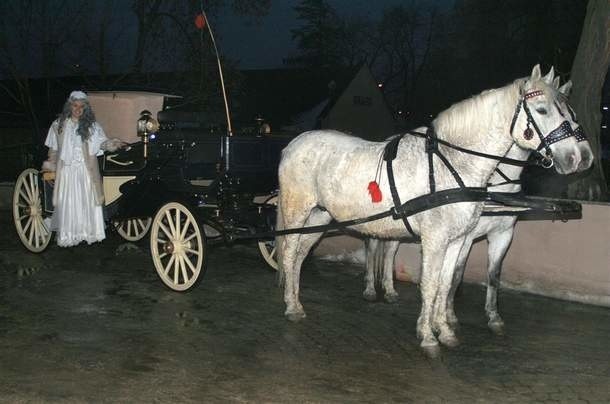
[(94, 324)]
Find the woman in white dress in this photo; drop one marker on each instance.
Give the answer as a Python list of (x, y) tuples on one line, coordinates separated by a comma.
[(75, 140)]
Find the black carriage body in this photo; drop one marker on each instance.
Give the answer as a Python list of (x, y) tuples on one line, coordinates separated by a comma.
[(187, 165)]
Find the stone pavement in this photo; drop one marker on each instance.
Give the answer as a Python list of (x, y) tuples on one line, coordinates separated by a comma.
[(94, 324)]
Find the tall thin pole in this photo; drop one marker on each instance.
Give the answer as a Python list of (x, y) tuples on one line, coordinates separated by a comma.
[(222, 81)]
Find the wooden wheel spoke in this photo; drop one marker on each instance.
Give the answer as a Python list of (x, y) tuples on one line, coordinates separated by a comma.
[(187, 224), (43, 226), (190, 250), (165, 230), (28, 190), (177, 223), (170, 223), (36, 233), (183, 269), (26, 198), (176, 268), (189, 238), (31, 231), (27, 224), (190, 264), (35, 185), (169, 264)]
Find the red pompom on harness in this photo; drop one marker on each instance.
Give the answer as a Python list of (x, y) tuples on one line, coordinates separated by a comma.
[(375, 192), (373, 187)]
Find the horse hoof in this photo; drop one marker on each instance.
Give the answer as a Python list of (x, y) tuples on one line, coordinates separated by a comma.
[(295, 317), (391, 297), (497, 327), (431, 350), (449, 340), (369, 296)]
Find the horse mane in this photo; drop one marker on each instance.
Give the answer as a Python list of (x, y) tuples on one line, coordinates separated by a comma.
[(473, 117)]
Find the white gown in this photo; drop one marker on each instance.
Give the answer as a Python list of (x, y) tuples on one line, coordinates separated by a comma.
[(76, 217)]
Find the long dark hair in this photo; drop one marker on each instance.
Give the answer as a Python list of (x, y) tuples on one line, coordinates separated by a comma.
[(84, 123)]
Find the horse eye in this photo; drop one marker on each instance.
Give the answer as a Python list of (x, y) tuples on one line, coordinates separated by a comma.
[(541, 111)]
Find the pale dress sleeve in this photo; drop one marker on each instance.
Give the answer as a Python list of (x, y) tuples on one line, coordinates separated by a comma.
[(96, 142), (51, 141)]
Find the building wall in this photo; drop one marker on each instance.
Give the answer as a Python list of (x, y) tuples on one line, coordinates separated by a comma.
[(118, 112), (361, 110), (568, 260)]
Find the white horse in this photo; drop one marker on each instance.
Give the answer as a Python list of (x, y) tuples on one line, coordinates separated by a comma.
[(499, 230), (323, 175)]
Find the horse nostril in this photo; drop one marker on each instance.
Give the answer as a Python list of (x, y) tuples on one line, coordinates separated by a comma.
[(574, 161)]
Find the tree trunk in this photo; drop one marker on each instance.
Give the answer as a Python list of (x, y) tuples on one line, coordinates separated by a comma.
[(588, 74)]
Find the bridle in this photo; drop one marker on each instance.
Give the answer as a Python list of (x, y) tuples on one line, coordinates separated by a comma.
[(579, 132), (563, 131)]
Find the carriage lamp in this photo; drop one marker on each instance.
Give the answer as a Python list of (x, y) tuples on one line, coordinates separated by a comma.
[(145, 127)]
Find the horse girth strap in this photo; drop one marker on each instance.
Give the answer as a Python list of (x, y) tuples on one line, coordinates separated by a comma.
[(389, 154)]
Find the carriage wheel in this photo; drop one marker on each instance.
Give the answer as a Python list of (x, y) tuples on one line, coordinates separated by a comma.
[(27, 212), (267, 247), (133, 229), (178, 247)]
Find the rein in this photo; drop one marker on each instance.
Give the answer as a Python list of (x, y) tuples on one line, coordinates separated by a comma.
[(454, 195), (564, 131)]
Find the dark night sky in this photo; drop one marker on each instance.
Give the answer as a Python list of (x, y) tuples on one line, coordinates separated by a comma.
[(265, 42)]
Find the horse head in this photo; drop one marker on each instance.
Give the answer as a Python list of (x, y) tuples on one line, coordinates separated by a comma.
[(538, 124), (586, 152)]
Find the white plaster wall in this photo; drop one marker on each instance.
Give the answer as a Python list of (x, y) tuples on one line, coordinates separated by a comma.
[(564, 260)]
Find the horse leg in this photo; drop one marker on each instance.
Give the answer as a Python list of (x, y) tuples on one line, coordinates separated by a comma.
[(294, 308), (446, 334), (460, 267), (371, 247), (390, 249), (433, 252), (292, 212), (498, 246)]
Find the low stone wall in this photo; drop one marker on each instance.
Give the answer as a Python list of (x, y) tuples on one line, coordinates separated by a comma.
[(568, 260)]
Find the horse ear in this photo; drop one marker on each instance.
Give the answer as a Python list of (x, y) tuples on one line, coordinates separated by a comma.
[(548, 79), (566, 88), (535, 73), (556, 82)]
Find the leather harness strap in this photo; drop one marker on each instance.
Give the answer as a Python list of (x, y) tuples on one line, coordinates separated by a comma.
[(389, 154)]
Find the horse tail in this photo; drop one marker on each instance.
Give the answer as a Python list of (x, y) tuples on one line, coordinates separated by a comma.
[(279, 243)]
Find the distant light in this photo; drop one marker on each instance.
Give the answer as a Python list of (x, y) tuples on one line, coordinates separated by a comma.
[(605, 108), (399, 112), (604, 127), (430, 115), (152, 136), (380, 85)]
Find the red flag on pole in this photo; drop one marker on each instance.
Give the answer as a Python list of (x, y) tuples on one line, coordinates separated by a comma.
[(200, 21)]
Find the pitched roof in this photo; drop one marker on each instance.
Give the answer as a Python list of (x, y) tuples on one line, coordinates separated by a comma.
[(280, 95)]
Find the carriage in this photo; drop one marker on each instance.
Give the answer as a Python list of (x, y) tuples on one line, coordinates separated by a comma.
[(192, 189), (180, 181)]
